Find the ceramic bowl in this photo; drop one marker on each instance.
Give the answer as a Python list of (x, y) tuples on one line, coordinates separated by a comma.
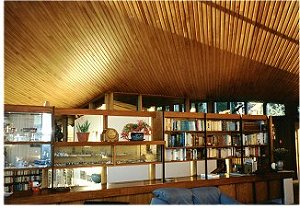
[(96, 178), (137, 136)]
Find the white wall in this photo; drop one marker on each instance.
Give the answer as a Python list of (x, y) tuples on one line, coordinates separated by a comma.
[(211, 165), (127, 173), (95, 129), (177, 169)]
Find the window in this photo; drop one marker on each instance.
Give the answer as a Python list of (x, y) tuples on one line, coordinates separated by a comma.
[(255, 108), (275, 109), (159, 108), (177, 108), (193, 108), (221, 107), (237, 108), (202, 107)]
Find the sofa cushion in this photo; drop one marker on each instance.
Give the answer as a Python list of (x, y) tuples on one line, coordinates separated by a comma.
[(227, 200), (206, 195), (174, 195)]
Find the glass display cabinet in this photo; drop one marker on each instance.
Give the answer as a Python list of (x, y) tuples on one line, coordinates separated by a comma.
[(74, 154), (27, 147), (138, 153)]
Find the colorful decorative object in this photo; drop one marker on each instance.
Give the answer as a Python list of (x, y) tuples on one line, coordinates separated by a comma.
[(139, 127)]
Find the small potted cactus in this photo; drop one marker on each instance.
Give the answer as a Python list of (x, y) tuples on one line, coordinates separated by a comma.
[(83, 131)]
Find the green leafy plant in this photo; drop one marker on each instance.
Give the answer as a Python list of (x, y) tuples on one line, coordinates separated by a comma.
[(83, 127), (140, 126)]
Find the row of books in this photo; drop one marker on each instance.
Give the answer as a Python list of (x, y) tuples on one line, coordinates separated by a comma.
[(219, 140), (184, 139), (255, 139), (184, 154), (212, 125), (172, 124), (63, 177), (253, 152), (22, 187), (221, 153), (184, 125), (8, 180), (27, 172)]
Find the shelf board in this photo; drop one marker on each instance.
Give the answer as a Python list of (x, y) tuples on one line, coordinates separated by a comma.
[(26, 168), (27, 109), (222, 132), (254, 117), (254, 131), (63, 144), (217, 158), (81, 166), (138, 163), (27, 175), (189, 147), (182, 131), (184, 115), (78, 111), (27, 142), (214, 116), (256, 145), (171, 161), (222, 146)]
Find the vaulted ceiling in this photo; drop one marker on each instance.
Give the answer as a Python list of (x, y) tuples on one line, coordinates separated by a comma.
[(68, 53)]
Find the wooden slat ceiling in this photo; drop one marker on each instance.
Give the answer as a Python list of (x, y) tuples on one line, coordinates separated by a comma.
[(71, 52)]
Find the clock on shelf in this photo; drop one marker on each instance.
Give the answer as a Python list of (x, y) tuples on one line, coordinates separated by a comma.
[(110, 135)]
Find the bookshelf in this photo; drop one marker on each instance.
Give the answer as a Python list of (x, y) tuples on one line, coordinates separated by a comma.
[(215, 143)]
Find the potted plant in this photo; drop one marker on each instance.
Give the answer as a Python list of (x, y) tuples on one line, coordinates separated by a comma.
[(136, 131), (83, 131)]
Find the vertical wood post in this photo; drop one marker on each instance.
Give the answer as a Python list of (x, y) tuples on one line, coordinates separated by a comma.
[(140, 103), (109, 101)]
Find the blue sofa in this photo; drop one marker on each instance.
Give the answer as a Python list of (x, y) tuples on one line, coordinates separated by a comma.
[(202, 195)]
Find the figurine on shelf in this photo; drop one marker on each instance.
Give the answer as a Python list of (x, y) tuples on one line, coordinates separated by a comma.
[(35, 185), (58, 134)]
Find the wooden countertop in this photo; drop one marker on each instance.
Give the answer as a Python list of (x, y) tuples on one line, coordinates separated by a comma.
[(49, 196)]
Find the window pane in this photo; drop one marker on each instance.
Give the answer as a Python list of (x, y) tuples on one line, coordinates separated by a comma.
[(202, 107), (193, 108), (159, 108), (275, 109), (255, 108), (176, 108), (237, 107), (167, 108), (221, 107)]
